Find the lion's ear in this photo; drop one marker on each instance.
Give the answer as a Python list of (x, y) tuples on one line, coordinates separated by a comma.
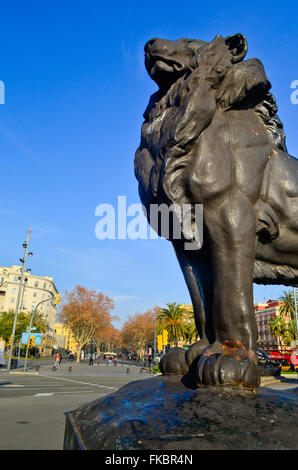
[(237, 45)]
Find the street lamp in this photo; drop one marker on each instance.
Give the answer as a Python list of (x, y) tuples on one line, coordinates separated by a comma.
[(23, 261)]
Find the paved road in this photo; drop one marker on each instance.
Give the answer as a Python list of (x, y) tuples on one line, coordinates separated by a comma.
[(32, 407)]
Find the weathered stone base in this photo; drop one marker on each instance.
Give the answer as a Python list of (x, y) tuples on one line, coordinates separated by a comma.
[(161, 413)]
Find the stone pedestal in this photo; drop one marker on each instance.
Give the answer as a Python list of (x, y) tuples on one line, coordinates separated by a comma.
[(162, 413)]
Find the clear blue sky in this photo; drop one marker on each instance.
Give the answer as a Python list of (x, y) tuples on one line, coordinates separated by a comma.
[(76, 89)]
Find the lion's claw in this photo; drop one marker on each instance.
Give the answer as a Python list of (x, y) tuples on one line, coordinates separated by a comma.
[(223, 369)]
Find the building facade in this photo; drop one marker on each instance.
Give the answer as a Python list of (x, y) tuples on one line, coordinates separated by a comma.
[(264, 312), (34, 290), (63, 339)]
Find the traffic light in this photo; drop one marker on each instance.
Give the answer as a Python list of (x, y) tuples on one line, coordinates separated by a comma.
[(164, 337), (31, 341), (159, 342), (57, 299), (9, 341)]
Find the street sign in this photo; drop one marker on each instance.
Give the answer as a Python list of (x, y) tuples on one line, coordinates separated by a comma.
[(37, 338)]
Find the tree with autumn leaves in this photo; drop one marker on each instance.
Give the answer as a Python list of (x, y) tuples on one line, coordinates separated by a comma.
[(138, 331), (108, 339), (87, 314)]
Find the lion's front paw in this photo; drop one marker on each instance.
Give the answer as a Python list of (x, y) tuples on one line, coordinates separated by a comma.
[(173, 362), (223, 369)]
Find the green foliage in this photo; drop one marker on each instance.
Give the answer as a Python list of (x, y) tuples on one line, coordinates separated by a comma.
[(287, 309), (23, 322), (290, 333), (178, 323), (286, 332), (277, 327)]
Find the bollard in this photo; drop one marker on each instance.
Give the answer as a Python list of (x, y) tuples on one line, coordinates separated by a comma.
[(141, 370), (37, 368), (127, 370), (54, 368), (70, 369)]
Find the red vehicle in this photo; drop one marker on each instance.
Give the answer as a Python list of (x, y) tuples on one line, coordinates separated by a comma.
[(283, 356)]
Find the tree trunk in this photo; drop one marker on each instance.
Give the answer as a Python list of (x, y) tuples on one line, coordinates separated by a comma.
[(79, 353)]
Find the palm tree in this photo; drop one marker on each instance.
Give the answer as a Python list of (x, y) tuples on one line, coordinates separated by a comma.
[(191, 333), (277, 327), (172, 319), (290, 333), (287, 309)]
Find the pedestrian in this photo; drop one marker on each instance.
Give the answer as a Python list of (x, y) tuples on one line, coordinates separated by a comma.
[(115, 361), (57, 359), (82, 354), (60, 359), (91, 358)]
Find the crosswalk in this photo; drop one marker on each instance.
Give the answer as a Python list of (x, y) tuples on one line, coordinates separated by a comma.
[(49, 386)]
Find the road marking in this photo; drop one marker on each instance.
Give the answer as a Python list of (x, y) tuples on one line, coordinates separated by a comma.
[(43, 395), (84, 383), (64, 388), (12, 385), (76, 391)]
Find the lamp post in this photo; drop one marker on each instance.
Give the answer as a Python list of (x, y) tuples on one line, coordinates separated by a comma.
[(23, 260)]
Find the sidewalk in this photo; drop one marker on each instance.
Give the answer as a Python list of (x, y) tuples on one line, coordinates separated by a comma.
[(68, 368)]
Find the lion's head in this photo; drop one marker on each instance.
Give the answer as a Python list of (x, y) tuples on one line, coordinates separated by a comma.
[(166, 60)]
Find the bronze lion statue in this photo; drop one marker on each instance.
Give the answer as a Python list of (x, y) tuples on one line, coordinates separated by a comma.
[(211, 136)]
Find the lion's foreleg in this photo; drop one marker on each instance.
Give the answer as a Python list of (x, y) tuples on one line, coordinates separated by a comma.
[(231, 359), (231, 227)]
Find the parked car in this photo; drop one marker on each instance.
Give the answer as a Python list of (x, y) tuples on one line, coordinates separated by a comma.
[(264, 359), (267, 366)]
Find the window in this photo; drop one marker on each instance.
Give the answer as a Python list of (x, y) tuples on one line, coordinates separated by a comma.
[(36, 284), (35, 294), (15, 279), (45, 285), (12, 300)]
